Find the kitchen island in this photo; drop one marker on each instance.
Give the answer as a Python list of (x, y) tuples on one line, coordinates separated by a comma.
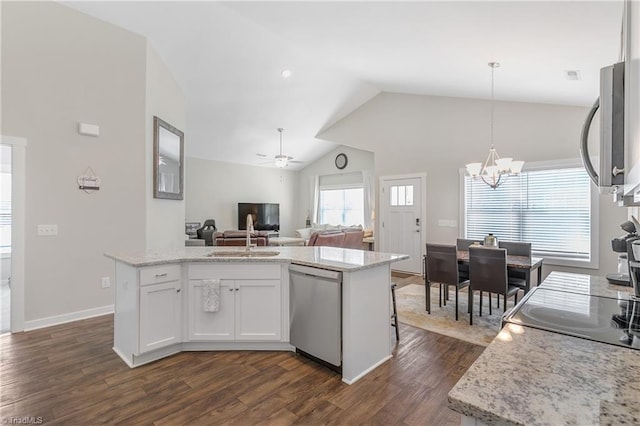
[(159, 309), (528, 376)]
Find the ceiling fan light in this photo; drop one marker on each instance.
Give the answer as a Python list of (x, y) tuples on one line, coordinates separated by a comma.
[(281, 161)]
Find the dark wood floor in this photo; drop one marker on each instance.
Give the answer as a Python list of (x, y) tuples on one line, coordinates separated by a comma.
[(68, 374)]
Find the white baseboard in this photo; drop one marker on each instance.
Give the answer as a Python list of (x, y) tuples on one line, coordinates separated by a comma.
[(367, 371), (65, 318)]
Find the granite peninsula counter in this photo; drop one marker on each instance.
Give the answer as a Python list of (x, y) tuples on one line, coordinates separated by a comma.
[(528, 376), (332, 258), (159, 302)]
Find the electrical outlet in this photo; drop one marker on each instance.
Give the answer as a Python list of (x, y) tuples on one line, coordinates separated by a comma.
[(106, 282), (47, 230)]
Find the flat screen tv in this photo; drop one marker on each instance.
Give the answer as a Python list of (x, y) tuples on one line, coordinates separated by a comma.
[(266, 216)]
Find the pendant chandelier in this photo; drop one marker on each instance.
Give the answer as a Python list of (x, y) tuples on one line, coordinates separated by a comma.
[(495, 170)]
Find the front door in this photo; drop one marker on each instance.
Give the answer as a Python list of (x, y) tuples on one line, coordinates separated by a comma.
[(402, 221)]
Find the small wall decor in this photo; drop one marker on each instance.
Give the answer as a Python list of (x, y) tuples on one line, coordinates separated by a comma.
[(88, 181)]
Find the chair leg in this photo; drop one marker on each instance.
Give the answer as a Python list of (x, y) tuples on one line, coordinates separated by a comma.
[(395, 311), (427, 288), (497, 301), (440, 295), (470, 304), (490, 304), (480, 310), (456, 303)]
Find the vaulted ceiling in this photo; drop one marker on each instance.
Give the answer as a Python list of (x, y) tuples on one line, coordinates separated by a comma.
[(228, 57)]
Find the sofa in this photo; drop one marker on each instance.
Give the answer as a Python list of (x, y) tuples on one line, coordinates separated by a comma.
[(239, 238), (345, 238), (306, 233)]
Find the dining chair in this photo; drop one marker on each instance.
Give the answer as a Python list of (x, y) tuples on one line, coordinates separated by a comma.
[(488, 272), (463, 244), (514, 248), (442, 268)]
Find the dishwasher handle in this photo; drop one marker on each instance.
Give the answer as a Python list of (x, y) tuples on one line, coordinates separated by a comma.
[(316, 272)]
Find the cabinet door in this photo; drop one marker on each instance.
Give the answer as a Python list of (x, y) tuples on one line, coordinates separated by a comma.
[(258, 310), (160, 320), (207, 326)]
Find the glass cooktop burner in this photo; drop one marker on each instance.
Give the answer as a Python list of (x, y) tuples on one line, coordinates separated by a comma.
[(602, 319)]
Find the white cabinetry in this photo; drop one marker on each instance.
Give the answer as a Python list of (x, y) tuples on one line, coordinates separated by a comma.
[(148, 312), (160, 307), (160, 315), (251, 307)]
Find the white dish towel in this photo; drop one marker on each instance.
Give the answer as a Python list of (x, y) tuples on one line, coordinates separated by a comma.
[(211, 295)]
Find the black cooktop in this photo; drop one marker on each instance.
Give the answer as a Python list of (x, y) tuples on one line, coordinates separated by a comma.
[(602, 319)]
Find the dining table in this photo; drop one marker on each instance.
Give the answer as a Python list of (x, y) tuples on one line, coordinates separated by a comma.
[(517, 263)]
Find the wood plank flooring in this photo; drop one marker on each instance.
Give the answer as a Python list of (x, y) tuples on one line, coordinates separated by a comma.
[(69, 375)]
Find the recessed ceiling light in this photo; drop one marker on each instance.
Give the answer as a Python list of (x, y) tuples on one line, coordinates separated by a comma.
[(572, 75), (286, 73)]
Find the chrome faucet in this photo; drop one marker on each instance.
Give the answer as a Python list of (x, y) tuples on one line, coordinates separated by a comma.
[(249, 231)]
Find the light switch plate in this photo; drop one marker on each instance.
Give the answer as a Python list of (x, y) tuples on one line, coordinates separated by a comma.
[(47, 230), (106, 282)]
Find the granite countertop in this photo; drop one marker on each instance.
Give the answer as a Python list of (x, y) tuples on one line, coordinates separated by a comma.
[(528, 376), (332, 258), (584, 284)]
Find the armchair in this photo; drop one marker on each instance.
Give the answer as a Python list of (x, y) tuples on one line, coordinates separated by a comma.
[(206, 232)]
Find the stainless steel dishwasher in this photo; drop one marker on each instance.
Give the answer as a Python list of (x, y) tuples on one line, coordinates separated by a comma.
[(316, 314)]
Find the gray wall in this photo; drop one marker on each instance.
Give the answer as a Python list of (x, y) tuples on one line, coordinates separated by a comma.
[(359, 160), (61, 67), (439, 135), (164, 218), (215, 188)]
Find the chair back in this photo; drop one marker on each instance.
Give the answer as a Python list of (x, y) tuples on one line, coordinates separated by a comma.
[(516, 248), (464, 244), (488, 269), (442, 264)]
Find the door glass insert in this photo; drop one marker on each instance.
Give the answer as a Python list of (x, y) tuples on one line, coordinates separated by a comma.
[(402, 195)]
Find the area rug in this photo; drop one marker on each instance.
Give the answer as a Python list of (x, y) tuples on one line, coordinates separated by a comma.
[(410, 300)]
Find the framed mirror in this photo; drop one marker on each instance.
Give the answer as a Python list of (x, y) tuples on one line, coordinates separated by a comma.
[(168, 160)]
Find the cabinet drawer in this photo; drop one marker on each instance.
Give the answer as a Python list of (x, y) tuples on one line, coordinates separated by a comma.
[(243, 271), (159, 274)]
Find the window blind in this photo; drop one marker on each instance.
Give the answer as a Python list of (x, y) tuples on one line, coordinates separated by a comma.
[(549, 208)]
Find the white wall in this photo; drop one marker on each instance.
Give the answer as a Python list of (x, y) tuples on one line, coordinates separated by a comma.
[(439, 135), (60, 67), (165, 218), (359, 160), (215, 188)]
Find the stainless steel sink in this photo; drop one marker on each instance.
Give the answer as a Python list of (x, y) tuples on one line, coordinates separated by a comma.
[(238, 253)]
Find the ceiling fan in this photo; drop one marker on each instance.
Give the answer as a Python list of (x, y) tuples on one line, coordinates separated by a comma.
[(282, 160)]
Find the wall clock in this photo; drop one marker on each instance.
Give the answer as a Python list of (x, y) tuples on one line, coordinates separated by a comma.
[(341, 161)]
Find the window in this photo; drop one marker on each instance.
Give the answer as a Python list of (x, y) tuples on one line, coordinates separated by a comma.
[(401, 195), (549, 207), (5, 200), (341, 206)]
